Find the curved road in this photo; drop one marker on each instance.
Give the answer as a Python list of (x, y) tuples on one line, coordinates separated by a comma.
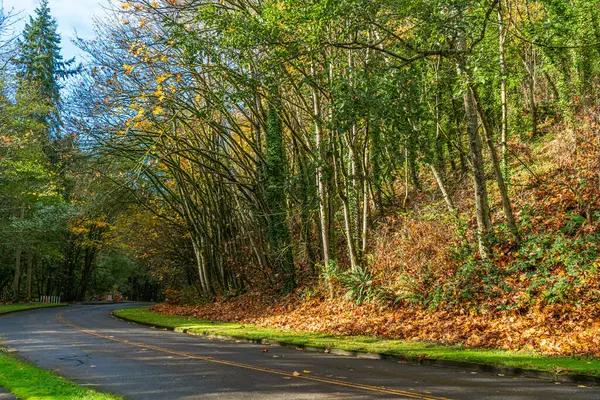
[(88, 346)]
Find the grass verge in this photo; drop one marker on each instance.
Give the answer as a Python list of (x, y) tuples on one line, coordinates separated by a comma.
[(10, 308), (368, 344), (27, 381)]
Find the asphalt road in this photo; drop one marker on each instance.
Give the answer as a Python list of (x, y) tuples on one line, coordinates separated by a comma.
[(88, 346)]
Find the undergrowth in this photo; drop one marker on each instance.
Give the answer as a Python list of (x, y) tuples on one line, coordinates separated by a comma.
[(423, 278)]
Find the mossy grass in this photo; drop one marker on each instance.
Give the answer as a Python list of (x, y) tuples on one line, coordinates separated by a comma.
[(27, 381), (10, 308), (369, 344)]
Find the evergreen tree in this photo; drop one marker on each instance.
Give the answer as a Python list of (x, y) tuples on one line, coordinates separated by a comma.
[(40, 61)]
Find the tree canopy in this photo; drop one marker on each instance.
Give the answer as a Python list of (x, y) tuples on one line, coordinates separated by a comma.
[(420, 153)]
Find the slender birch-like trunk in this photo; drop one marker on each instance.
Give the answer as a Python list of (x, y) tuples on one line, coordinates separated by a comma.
[(507, 207), (442, 186), (482, 209), (321, 190), (503, 97)]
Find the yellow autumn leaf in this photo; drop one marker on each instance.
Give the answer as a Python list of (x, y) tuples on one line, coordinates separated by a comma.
[(128, 68), (161, 78)]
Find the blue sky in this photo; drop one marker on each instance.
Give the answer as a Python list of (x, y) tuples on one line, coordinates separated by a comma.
[(72, 16)]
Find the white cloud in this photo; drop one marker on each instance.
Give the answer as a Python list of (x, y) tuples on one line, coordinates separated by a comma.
[(71, 15)]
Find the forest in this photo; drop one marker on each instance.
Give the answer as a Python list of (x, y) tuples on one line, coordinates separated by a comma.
[(410, 169)]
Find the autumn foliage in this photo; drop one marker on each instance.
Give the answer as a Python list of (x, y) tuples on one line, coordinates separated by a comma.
[(540, 296)]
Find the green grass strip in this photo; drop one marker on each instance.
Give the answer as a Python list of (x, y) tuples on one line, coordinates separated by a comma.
[(368, 344), (28, 382), (10, 308)]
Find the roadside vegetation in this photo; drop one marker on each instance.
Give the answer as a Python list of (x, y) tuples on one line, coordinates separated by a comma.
[(366, 344), (404, 170), (28, 382), (10, 308)]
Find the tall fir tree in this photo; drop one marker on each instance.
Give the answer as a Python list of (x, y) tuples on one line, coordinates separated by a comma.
[(35, 174), (40, 61)]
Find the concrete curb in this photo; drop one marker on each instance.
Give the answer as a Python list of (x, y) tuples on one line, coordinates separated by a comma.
[(474, 367)]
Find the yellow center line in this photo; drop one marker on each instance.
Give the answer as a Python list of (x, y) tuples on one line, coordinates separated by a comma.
[(379, 389)]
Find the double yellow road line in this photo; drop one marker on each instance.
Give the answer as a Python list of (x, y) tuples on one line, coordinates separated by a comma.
[(360, 386)]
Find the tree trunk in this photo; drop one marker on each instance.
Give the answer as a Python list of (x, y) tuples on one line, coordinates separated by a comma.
[(442, 186), (321, 190), (353, 196), (508, 211), (342, 194), (365, 206), (482, 209), (349, 235), (533, 107), (503, 99), (29, 275), (275, 196), (555, 94), (17, 278), (202, 270), (531, 71)]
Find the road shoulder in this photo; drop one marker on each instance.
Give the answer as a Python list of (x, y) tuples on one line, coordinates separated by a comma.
[(556, 369)]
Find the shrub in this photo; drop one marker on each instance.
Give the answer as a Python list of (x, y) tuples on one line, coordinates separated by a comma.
[(362, 288), (172, 296)]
